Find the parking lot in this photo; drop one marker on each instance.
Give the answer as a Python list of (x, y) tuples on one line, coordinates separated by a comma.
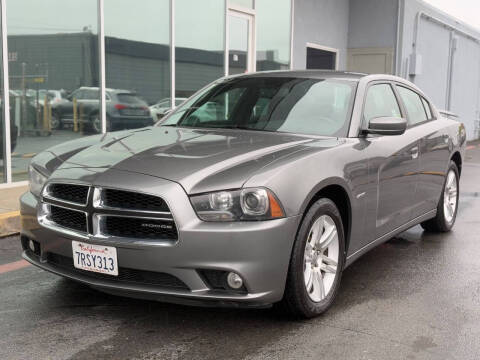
[(414, 297)]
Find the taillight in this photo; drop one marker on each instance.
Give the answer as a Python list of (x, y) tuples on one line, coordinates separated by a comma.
[(120, 106)]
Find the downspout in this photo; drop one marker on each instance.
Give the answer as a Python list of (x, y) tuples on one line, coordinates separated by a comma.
[(399, 38)]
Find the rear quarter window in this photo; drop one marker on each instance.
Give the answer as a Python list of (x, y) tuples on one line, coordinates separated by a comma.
[(413, 104), (130, 99)]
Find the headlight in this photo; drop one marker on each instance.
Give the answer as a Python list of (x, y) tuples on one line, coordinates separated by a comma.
[(36, 181), (238, 205)]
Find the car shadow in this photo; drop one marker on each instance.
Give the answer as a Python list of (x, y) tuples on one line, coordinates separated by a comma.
[(160, 330)]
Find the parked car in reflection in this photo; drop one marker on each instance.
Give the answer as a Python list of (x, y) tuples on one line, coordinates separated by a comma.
[(13, 128), (53, 96), (160, 109), (124, 110)]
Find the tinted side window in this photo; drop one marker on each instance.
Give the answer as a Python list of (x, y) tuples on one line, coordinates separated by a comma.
[(91, 94), (428, 110), (381, 102), (413, 104), (78, 94)]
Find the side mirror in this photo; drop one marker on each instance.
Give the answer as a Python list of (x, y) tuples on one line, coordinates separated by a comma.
[(387, 126)]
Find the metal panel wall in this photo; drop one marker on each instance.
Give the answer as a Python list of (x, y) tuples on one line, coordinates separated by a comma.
[(465, 91), (434, 48)]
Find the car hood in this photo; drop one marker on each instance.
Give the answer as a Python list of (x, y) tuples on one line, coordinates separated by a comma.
[(199, 160)]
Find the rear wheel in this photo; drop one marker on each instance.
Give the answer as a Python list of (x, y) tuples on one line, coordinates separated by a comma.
[(55, 122), (97, 123), (317, 262), (448, 204)]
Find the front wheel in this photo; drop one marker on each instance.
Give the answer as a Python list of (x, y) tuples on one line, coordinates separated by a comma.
[(317, 262), (448, 204)]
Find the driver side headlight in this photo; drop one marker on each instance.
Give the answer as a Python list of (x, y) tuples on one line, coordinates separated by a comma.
[(251, 204), (36, 180)]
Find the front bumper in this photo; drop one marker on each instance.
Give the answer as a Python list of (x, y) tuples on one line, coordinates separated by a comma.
[(258, 251)]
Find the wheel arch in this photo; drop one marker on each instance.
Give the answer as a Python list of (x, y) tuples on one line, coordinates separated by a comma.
[(336, 191), (457, 159)]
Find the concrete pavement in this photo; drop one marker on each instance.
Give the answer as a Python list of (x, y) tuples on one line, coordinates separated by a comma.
[(415, 297)]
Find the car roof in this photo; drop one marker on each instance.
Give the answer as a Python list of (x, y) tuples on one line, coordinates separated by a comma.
[(115, 91), (314, 74)]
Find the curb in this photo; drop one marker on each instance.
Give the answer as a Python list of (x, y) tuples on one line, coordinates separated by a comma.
[(9, 223)]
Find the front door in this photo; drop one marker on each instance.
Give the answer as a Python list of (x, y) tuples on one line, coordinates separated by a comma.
[(241, 44), (393, 166)]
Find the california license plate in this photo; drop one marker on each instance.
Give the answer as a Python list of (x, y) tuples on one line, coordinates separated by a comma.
[(96, 258)]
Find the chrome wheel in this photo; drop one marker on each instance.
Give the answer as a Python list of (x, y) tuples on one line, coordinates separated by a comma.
[(97, 123), (321, 256), (450, 196)]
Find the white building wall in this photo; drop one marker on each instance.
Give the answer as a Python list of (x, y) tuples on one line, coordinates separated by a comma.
[(321, 22)]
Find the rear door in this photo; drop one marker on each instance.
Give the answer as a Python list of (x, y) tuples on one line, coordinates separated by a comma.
[(433, 146), (394, 163)]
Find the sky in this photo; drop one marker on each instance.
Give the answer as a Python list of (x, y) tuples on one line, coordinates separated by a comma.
[(466, 10)]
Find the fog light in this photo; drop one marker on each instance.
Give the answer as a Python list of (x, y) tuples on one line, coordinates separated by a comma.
[(31, 245), (234, 280)]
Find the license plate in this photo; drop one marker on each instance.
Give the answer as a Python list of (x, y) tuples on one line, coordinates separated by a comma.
[(133, 112), (96, 258)]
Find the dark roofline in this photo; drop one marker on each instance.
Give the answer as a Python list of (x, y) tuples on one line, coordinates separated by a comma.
[(316, 74)]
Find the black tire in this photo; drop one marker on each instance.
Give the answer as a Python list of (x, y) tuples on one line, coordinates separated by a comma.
[(296, 300), (440, 223)]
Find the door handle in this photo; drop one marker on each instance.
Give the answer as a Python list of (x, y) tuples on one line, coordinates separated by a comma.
[(414, 152)]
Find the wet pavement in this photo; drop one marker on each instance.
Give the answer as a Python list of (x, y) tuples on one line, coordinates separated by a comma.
[(414, 297)]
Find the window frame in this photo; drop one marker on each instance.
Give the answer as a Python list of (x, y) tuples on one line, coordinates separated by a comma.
[(403, 112), (407, 116)]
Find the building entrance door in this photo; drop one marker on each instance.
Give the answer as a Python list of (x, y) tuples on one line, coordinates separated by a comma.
[(241, 43)]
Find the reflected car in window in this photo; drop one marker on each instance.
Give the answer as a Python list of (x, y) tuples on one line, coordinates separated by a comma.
[(163, 107), (259, 189), (124, 110)]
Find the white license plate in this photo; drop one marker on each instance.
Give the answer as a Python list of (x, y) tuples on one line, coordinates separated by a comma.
[(96, 258), (133, 112)]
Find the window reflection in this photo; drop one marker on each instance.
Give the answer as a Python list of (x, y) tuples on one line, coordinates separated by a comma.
[(137, 60), (199, 28), (273, 34), (52, 47)]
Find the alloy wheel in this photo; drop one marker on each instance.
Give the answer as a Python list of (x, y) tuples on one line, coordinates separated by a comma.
[(450, 196), (320, 262)]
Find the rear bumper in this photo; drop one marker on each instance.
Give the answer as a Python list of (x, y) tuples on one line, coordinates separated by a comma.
[(258, 251), (129, 122)]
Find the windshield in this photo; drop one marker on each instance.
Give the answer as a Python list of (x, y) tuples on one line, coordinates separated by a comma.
[(293, 105)]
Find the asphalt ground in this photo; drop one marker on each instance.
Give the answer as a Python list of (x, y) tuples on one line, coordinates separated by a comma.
[(414, 297)]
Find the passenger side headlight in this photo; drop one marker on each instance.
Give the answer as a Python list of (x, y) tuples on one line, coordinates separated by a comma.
[(238, 205), (36, 180)]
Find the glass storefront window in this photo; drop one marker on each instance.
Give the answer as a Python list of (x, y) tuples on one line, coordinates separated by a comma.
[(52, 49), (137, 62), (199, 41), (3, 174), (273, 34), (243, 3)]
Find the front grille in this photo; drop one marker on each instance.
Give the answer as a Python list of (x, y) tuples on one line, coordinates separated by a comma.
[(125, 275), (139, 228), (133, 201), (69, 192), (67, 218), (109, 212)]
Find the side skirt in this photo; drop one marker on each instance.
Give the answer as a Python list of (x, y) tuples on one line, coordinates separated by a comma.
[(384, 238)]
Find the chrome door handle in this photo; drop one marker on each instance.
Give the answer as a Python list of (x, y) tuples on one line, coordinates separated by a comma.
[(414, 152)]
